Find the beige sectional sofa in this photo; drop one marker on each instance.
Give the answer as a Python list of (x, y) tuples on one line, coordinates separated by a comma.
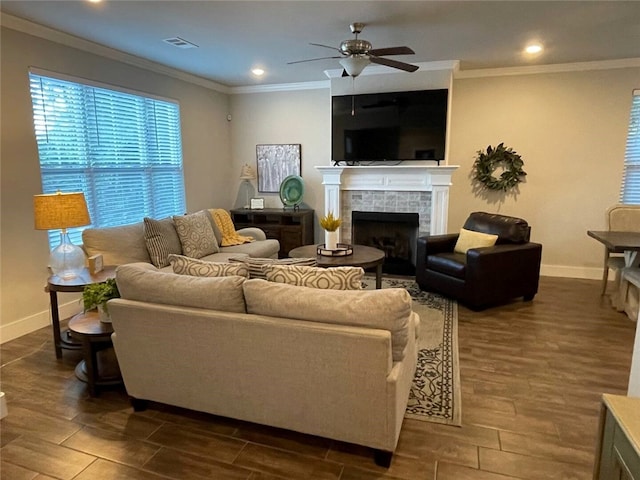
[(129, 244), (333, 363)]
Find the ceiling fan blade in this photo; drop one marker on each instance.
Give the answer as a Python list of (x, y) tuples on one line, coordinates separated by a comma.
[(325, 46), (311, 60), (407, 67), (381, 52)]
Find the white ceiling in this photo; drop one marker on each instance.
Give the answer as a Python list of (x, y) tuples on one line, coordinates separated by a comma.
[(235, 36)]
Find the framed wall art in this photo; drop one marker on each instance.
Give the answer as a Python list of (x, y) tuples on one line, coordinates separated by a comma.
[(275, 163)]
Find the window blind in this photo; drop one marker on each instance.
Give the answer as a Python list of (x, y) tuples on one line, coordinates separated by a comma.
[(630, 192), (123, 150)]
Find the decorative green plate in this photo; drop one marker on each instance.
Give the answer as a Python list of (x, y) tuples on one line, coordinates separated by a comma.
[(292, 190)]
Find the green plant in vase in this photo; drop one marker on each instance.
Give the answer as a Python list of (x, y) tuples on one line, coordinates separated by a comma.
[(330, 224), (96, 295)]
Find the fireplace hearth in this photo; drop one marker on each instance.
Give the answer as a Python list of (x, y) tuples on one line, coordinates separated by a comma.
[(394, 233)]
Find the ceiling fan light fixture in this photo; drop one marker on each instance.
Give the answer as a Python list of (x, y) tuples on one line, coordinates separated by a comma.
[(354, 65)]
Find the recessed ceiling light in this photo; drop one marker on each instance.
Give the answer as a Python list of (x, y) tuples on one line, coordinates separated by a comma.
[(533, 48), (94, 1), (258, 72)]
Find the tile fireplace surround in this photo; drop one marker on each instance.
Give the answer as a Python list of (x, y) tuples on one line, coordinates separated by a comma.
[(418, 189)]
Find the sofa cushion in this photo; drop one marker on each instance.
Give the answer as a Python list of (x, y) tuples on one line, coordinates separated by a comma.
[(145, 283), (469, 239), (337, 278), (387, 309), (161, 239), (117, 245), (262, 249), (256, 265), (196, 234), (200, 268), (509, 229)]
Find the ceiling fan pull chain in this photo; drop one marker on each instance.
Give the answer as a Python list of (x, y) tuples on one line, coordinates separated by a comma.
[(353, 97)]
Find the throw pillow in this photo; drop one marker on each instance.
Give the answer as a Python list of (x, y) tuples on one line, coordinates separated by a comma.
[(161, 239), (337, 278), (470, 239), (256, 265), (387, 309), (144, 283), (196, 234), (199, 268)]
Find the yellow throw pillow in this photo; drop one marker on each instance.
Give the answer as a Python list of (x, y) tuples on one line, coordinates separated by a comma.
[(470, 239)]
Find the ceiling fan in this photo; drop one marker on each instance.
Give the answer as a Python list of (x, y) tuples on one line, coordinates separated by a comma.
[(356, 54)]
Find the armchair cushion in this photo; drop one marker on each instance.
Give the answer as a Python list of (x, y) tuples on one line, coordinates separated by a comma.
[(471, 239)]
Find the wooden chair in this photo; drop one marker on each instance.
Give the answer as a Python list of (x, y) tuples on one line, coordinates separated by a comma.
[(619, 218)]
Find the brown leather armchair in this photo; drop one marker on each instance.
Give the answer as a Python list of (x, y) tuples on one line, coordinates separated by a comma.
[(482, 277)]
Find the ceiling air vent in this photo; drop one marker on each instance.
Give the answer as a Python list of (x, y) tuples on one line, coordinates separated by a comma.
[(180, 42)]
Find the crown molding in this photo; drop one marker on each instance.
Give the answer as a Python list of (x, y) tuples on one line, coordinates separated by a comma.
[(37, 30), (282, 87), (549, 68)]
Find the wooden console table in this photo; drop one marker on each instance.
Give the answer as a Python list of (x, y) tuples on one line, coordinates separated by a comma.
[(292, 228)]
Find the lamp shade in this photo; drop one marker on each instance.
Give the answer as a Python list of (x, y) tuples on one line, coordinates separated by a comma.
[(354, 65), (247, 173), (60, 210)]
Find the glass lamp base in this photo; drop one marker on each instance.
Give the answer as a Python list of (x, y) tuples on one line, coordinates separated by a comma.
[(66, 260)]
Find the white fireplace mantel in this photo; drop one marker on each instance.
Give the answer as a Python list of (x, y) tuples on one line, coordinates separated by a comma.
[(400, 178)]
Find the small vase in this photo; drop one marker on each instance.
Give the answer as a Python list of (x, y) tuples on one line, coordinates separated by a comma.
[(331, 240), (103, 314)]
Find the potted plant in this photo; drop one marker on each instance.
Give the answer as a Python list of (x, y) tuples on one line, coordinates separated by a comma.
[(330, 224), (96, 295)]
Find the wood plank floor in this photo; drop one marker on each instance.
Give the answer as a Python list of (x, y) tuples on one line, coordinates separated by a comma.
[(532, 375)]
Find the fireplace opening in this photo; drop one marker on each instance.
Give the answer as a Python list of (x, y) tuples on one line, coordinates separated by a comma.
[(394, 233)]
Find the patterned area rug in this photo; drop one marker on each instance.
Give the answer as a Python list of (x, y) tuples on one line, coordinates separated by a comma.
[(435, 393)]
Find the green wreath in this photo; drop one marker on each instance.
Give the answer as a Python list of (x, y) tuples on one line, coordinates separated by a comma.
[(486, 163)]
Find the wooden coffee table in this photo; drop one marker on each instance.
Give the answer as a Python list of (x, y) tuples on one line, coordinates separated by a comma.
[(363, 256), (100, 366)]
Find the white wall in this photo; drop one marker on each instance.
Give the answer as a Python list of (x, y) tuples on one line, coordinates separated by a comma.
[(24, 251)]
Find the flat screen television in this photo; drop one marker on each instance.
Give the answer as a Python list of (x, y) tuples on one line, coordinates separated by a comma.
[(390, 126)]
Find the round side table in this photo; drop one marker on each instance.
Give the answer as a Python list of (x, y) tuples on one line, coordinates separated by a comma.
[(57, 284), (100, 366)]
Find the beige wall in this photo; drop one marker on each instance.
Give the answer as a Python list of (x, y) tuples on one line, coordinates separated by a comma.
[(570, 129), (303, 117), (23, 250)]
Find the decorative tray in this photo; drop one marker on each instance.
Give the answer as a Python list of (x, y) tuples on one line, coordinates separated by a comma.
[(343, 250)]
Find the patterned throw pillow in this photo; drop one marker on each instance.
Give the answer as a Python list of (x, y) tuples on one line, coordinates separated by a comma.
[(199, 268), (337, 278), (162, 240), (196, 234), (256, 265)]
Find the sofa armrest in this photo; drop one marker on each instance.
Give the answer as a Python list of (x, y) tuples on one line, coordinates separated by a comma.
[(253, 232), (432, 244)]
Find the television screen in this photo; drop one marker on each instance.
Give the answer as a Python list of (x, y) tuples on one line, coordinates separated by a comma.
[(389, 126)]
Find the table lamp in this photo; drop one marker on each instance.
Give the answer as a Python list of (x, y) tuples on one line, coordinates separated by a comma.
[(247, 174), (61, 211)]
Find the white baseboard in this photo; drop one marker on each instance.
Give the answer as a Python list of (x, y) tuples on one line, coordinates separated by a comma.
[(34, 322), (587, 273)]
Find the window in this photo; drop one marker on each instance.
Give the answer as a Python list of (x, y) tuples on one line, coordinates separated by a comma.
[(123, 150), (630, 192)]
